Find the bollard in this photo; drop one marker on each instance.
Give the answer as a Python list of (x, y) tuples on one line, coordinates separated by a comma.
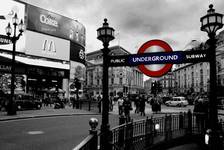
[(93, 122)]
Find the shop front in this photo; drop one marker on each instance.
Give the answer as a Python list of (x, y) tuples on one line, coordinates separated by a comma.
[(33, 78)]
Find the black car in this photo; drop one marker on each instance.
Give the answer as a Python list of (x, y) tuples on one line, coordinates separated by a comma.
[(26, 102)]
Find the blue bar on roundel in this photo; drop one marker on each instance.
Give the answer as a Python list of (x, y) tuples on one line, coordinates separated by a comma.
[(156, 58)]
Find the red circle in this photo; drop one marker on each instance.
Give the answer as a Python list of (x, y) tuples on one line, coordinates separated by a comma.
[(162, 71)]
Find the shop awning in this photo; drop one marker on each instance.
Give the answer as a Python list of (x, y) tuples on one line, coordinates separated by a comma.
[(37, 62)]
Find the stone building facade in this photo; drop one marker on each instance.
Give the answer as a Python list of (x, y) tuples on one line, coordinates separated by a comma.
[(121, 79)]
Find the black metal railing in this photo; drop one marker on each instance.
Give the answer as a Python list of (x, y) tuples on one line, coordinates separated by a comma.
[(152, 132)]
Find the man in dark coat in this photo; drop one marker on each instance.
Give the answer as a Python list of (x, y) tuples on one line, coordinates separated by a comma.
[(127, 107), (142, 105)]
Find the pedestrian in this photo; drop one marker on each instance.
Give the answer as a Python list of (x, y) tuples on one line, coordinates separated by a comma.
[(111, 104), (120, 105), (137, 104), (142, 105), (127, 107), (72, 99), (99, 100)]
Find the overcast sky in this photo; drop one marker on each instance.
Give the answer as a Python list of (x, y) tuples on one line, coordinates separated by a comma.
[(137, 21)]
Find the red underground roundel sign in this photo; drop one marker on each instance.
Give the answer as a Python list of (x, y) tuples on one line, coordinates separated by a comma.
[(155, 70)]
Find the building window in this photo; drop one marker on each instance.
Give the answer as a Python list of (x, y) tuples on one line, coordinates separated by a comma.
[(98, 82), (121, 81), (112, 80), (201, 75), (192, 76)]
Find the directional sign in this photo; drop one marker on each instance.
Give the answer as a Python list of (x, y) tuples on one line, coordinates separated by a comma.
[(175, 57), (165, 56)]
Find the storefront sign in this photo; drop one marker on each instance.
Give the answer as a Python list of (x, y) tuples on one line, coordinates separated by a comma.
[(46, 72), (42, 45), (5, 68), (4, 40), (44, 21)]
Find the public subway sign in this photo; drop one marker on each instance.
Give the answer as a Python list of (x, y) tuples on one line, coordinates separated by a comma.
[(176, 57), (155, 58)]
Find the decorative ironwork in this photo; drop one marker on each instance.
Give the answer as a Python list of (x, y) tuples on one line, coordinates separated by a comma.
[(151, 133)]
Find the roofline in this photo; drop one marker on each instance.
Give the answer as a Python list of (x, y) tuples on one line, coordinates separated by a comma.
[(111, 48)]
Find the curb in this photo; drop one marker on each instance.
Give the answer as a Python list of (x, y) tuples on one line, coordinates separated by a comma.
[(46, 116)]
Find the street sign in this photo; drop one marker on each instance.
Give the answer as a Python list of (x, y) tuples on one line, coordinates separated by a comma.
[(157, 52), (175, 57), (155, 46)]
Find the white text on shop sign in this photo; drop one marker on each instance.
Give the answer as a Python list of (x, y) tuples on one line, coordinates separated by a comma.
[(4, 40)]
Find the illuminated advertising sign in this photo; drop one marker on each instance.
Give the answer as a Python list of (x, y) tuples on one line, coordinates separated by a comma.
[(8, 9), (77, 53), (47, 22), (43, 45)]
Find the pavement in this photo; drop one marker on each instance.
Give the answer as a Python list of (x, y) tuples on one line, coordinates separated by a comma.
[(47, 111), (44, 112), (68, 111)]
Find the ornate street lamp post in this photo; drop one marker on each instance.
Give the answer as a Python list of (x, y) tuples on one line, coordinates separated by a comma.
[(210, 23), (105, 34), (11, 108)]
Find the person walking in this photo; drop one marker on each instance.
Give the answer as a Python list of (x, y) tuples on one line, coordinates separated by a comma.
[(99, 100), (111, 104), (127, 107), (120, 102), (137, 102), (142, 105)]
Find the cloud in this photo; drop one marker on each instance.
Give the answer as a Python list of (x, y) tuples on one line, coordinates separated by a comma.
[(151, 17)]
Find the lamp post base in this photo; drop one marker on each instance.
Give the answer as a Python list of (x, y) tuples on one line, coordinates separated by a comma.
[(105, 139)]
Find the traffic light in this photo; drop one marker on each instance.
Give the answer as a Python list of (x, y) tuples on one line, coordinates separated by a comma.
[(153, 88), (159, 87), (156, 88), (77, 84)]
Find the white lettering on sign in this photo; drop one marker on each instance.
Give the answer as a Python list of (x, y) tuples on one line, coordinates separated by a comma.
[(81, 54), (49, 47), (49, 20), (155, 58), (4, 67), (193, 56), (5, 41), (117, 61)]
